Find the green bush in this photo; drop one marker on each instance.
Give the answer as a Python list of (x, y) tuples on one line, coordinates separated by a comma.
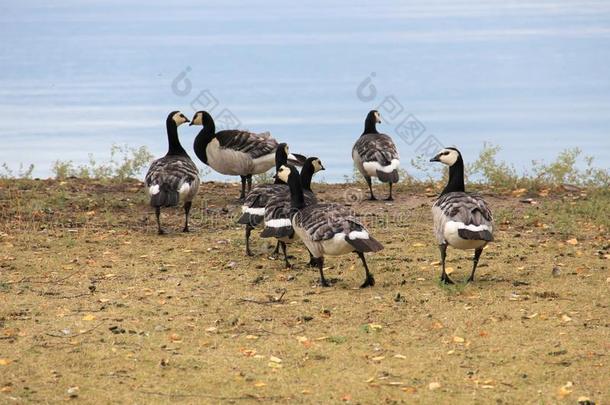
[(125, 162), (22, 173)]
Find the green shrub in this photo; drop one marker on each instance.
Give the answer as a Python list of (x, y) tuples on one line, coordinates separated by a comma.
[(22, 173), (125, 162)]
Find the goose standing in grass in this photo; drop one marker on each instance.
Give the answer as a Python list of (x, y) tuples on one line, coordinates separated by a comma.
[(173, 177), (461, 220), (253, 208), (327, 229), (278, 209), (375, 155), (233, 152)]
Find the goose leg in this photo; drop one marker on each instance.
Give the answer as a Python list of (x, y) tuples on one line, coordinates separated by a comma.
[(390, 197), (160, 230), (249, 180), (475, 262), (370, 183), (444, 277), (369, 281), (187, 210), (276, 251), (283, 245), (320, 263), (243, 188), (248, 231), (312, 260)]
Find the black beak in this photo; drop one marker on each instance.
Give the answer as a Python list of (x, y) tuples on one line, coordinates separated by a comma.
[(436, 158), (191, 123), (187, 120), (322, 167)]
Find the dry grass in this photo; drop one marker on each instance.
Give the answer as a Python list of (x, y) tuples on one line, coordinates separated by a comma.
[(93, 298)]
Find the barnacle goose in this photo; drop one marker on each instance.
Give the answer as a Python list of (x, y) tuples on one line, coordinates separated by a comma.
[(327, 229), (278, 209), (173, 177), (233, 152), (375, 154), (462, 220), (253, 207)]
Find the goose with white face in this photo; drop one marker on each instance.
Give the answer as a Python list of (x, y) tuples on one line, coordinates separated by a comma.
[(447, 156), (377, 117), (197, 119), (283, 173), (317, 165), (179, 118)]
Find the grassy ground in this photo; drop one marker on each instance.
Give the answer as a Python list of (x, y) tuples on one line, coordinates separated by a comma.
[(97, 307)]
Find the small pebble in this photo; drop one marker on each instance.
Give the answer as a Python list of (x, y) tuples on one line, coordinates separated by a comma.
[(72, 392)]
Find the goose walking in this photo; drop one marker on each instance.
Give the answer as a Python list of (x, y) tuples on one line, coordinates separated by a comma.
[(233, 152), (173, 177), (461, 220), (253, 207), (327, 229), (375, 155), (278, 209)]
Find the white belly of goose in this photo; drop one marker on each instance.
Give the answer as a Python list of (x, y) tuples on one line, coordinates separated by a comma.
[(263, 163), (228, 161), (450, 232)]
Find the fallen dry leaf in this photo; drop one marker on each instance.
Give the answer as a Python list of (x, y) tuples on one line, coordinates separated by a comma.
[(434, 386), (89, 317), (565, 390), (5, 362), (572, 241), (457, 339)]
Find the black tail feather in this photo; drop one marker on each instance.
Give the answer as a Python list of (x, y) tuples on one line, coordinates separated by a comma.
[(283, 232), (475, 235), (250, 219), (166, 197), (300, 161), (388, 177), (365, 245)]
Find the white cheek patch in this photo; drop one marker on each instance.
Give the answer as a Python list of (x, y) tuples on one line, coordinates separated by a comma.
[(278, 223), (153, 190), (372, 167), (358, 235), (449, 159)]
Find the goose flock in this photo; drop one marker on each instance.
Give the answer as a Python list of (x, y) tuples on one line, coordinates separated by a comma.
[(288, 209)]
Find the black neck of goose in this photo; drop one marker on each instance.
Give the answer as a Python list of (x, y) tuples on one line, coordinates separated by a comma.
[(456, 177), (297, 200), (202, 140), (175, 148), (307, 173), (281, 158), (370, 125)]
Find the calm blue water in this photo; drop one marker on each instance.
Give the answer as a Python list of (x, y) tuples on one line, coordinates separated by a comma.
[(531, 76)]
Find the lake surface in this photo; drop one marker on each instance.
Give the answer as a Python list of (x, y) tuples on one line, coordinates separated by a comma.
[(531, 77)]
